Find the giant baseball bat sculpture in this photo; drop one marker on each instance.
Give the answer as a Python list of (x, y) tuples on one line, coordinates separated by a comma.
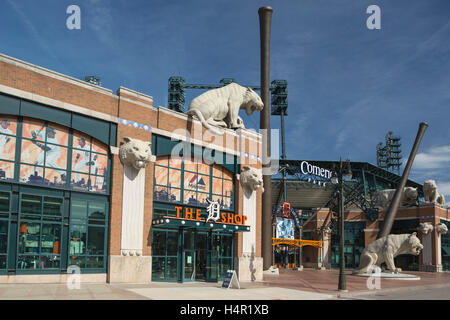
[(265, 18), (392, 210)]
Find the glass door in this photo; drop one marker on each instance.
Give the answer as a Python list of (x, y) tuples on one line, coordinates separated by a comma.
[(189, 257), (200, 265), (189, 264), (212, 266)]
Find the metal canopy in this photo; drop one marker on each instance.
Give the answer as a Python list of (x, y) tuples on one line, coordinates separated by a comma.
[(382, 176), (308, 191), (302, 194)]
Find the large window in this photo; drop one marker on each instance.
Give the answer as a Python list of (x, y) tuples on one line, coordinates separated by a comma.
[(353, 247), (168, 179), (192, 182), (164, 255), (39, 245), (52, 231), (44, 153), (8, 132), (88, 234), (222, 188), (4, 226), (89, 163), (223, 245)]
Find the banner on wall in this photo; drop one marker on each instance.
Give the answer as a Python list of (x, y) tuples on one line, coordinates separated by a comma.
[(285, 228), (88, 165), (8, 129), (44, 145), (44, 154)]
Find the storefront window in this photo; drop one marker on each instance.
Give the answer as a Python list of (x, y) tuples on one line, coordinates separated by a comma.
[(164, 255), (4, 227), (40, 228), (222, 245), (87, 236), (3, 242)]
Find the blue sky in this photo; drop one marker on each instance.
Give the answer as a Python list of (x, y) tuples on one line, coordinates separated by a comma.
[(348, 85)]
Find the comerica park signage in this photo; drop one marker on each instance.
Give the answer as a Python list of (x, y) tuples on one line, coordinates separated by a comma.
[(308, 168)]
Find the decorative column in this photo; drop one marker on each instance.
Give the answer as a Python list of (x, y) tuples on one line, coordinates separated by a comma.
[(250, 267), (131, 265), (325, 250), (440, 229), (426, 228)]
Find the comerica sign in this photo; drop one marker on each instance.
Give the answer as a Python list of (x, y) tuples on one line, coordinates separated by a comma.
[(308, 168)]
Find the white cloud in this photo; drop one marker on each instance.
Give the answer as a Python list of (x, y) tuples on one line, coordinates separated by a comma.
[(444, 188), (434, 158)]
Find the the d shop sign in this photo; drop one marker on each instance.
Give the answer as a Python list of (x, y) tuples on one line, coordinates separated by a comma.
[(308, 168), (196, 214)]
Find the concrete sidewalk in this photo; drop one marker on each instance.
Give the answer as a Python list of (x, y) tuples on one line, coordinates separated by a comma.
[(154, 291), (308, 284)]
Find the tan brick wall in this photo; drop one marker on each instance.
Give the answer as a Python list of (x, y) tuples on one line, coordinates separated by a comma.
[(36, 83), (115, 219), (148, 209)]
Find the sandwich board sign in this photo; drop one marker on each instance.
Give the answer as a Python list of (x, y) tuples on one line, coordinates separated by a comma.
[(231, 280)]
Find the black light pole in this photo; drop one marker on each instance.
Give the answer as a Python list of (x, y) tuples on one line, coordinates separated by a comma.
[(342, 286)]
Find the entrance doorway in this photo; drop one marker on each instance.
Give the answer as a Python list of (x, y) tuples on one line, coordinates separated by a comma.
[(189, 254), (200, 256)]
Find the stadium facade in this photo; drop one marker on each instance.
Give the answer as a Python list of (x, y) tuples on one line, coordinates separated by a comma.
[(69, 207), (313, 211)]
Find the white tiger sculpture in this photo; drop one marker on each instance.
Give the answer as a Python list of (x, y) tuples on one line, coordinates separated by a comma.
[(425, 227), (441, 228), (135, 153), (220, 107), (431, 194), (385, 197), (251, 179), (386, 249)]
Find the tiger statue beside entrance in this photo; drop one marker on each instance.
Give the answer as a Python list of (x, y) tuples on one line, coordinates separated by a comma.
[(386, 249)]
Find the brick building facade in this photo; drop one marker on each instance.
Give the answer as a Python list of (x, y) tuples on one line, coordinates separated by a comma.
[(90, 211)]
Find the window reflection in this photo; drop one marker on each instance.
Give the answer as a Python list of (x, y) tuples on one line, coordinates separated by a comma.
[(39, 246), (88, 233)]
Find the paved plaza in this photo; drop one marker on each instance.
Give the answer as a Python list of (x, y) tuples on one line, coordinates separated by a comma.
[(308, 284)]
